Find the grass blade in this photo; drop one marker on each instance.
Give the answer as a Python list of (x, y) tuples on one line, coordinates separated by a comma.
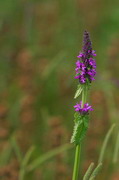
[(96, 171), (24, 163), (88, 172), (38, 161), (107, 137), (16, 148)]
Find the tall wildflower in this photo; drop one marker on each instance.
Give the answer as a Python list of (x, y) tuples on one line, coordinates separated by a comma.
[(85, 73), (86, 65)]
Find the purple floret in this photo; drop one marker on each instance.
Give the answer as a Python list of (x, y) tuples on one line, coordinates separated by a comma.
[(86, 65), (85, 110)]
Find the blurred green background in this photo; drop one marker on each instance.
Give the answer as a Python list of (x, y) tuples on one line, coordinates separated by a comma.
[(39, 43)]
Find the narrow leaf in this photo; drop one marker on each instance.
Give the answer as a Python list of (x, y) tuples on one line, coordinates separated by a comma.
[(76, 132), (78, 91), (16, 148), (24, 163), (96, 171), (42, 158), (104, 146), (88, 172), (80, 128)]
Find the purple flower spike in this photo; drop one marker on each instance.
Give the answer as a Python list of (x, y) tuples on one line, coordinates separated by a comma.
[(84, 110), (86, 65)]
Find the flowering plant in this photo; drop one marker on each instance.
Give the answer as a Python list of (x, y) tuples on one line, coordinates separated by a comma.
[(85, 73)]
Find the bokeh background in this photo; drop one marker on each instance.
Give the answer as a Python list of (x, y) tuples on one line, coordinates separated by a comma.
[(39, 42)]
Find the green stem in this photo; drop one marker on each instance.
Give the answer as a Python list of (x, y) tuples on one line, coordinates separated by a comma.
[(76, 163), (84, 96), (78, 147)]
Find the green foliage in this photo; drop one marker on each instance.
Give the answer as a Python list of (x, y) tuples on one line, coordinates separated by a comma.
[(96, 171), (42, 158), (78, 91), (104, 146), (88, 172), (16, 149), (25, 162), (80, 128)]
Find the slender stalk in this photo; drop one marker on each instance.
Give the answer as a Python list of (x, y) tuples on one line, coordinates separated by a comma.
[(76, 162), (78, 147), (104, 146), (24, 163), (88, 172)]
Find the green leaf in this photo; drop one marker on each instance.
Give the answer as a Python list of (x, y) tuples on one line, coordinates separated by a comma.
[(78, 91), (77, 117), (86, 121), (25, 162), (88, 172), (76, 132), (80, 129), (16, 148), (46, 156), (104, 146), (96, 171)]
